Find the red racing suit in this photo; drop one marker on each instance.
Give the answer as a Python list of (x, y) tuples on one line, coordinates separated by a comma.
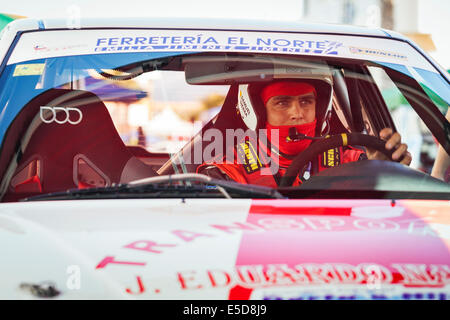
[(249, 169)]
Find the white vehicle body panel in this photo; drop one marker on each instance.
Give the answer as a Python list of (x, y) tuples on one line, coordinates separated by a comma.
[(82, 233), (198, 248)]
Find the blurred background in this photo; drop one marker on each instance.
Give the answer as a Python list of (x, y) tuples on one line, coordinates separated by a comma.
[(426, 22)]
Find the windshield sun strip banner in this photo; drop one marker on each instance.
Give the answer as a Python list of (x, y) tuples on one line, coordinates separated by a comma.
[(59, 43)]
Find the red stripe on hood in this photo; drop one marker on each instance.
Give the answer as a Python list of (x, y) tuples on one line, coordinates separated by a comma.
[(294, 232)]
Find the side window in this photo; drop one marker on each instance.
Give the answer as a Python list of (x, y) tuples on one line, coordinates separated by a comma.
[(368, 124), (415, 133)]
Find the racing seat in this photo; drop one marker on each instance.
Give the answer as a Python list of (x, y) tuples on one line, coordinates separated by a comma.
[(68, 141)]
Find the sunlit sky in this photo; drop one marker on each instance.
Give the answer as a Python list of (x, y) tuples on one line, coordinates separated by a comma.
[(256, 9), (434, 14)]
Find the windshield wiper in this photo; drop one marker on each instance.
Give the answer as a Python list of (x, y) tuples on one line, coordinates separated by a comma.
[(186, 185)]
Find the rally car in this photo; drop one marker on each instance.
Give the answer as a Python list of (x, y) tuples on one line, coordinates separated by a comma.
[(89, 210)]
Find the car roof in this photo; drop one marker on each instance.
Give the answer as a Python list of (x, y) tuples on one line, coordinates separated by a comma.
[(202, 23), (219, 24), (9, 33)]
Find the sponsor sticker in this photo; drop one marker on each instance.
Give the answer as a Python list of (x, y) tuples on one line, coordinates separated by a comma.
[(245, 109), (217, 42), (249, 157), (331, 158), (32, 69), (377, 52), (308, 281), (352, 292)]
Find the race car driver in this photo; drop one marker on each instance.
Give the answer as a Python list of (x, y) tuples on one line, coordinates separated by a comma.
[(288, 105)]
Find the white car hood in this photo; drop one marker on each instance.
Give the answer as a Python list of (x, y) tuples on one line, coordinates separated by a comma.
[(215, 249), (51, 241)]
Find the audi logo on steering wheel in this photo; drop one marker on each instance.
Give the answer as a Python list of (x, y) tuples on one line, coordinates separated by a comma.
[(50, 114)]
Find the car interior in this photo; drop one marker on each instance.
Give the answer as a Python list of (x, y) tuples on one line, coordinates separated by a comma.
[(92, 154)]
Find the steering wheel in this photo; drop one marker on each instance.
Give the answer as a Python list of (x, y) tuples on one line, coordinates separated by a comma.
[(339, 140)]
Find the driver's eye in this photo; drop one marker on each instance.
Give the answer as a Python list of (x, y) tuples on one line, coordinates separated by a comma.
[(282, 103), (306, 101)]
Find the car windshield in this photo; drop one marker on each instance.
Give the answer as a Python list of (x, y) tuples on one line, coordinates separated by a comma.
[(84, 121)]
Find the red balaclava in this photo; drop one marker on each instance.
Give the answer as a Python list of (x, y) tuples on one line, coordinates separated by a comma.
[(289, 88)]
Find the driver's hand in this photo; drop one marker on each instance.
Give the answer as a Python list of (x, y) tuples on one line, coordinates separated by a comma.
[(393, 141)]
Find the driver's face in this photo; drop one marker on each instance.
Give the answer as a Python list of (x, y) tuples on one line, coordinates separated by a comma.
[(291, 110)]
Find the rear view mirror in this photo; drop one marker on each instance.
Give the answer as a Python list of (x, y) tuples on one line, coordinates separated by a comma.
[(226, 70)]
